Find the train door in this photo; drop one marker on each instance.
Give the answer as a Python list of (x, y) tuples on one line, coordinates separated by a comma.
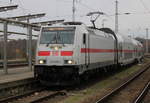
[(120, 51), (86, 45), (88, 50)]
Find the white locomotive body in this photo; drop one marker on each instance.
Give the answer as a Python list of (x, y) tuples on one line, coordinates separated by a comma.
[(65, 52)]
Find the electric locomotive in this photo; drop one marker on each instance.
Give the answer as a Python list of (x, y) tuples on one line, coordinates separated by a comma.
[(67, 51)]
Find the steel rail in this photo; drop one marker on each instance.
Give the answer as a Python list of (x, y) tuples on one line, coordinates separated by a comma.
[(107, 96), (12, 98), (39, 100), (142, 94), (18, 84)]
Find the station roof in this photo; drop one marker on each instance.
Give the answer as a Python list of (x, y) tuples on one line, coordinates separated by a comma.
[(27, 17), (49, 22), (6, 8)]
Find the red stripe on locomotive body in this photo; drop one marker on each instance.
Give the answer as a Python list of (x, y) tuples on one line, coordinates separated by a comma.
[(89, 50), (44, 53), (55, 53), (84, 50), (66, 53)]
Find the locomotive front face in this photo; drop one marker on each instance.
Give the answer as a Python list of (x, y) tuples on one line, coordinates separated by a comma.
[(56, 46), (55, 57)]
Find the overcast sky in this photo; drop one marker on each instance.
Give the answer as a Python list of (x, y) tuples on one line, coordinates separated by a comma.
[(133, 24)]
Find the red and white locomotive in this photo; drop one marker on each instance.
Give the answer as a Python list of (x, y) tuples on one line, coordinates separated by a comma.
[(67, 51)]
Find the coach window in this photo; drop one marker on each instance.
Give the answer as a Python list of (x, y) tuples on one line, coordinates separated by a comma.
[(84, 38)]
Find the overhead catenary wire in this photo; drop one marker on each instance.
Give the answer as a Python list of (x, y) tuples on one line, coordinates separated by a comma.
[(88, 7), (92, 9), (144, 5)]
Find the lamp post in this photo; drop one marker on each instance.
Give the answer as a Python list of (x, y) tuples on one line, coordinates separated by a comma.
[(116, 17), (147, 40), (73, 11)]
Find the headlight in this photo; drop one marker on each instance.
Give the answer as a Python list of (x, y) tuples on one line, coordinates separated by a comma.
[(42, 61), (56, 48), (70, 61)]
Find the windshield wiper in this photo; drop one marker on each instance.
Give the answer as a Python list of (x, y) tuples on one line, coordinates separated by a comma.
[(47, 44), (61, 40), (54, 40)]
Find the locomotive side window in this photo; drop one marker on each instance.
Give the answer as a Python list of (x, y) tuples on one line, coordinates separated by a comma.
[(84, 38), (57, 37)]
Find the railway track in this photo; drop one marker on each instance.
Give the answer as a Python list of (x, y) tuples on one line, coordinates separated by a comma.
[(8, 90), (147, 55), (117, 94), (48, 96), (36, 96), (142, 94), (11, 98)]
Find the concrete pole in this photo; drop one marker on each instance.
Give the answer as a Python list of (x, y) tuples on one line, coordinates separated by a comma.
[(73, 11), (5, 48), (116, 17), (1, 52), (27, 43), (146, 40), (30, 47)]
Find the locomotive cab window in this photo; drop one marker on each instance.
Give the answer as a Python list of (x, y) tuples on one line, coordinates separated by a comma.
[(57, 36)]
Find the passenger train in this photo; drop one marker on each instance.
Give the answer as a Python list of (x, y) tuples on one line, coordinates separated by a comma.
[(71, 49)]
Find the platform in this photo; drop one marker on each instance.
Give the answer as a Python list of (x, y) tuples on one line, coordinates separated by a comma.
[(15, 74)]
